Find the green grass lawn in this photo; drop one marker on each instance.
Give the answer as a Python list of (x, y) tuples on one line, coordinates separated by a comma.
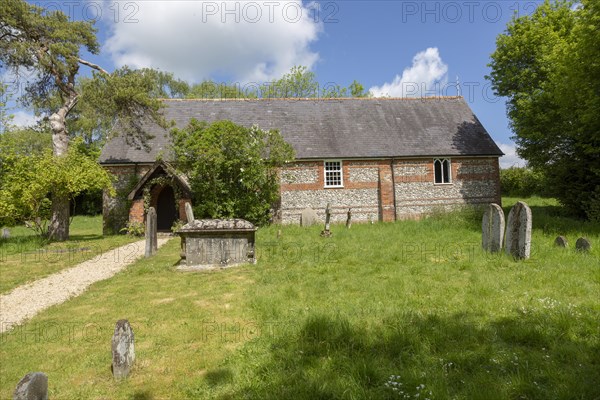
[(24, 257), (414, 306)]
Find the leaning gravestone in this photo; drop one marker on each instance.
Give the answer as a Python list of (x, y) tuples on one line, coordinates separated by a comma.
[(561, 241), (492, 228), (123, 351), (583, 244), (189, 213), (308, 217), (33, 386), (518, 231)]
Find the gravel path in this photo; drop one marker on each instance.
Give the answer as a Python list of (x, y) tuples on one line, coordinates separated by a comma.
[(27, 300)]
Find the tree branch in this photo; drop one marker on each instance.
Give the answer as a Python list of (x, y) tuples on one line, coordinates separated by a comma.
[(94, 66)]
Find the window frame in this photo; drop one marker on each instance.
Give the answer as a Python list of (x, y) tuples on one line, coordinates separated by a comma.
[(442, 161), (325, 171)]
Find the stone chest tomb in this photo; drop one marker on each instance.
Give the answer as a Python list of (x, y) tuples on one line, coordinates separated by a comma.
[(217, 242)]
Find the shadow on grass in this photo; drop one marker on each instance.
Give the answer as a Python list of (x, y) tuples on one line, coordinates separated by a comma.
[(144, 395), (538, 355)]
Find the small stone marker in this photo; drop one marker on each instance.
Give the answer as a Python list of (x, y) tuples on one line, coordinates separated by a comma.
[(349, 219), (189, 213), (308, 217), (5, 233), (33, 386), (327, 231), (583, 244), (492, 228), (123, 351), (561, 241), (518, 231), (278, 234), (151, 236)]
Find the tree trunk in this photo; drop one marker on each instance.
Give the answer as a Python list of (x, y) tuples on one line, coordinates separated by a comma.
[(58, 229)]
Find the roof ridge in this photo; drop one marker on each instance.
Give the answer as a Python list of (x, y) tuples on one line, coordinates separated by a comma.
[(428, 98)]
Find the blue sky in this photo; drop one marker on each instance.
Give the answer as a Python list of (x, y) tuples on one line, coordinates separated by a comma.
[(394, 48)]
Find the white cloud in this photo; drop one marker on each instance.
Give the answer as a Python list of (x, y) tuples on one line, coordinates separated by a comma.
[(251, 41), (426, 76), (22, 119), (510, 157)]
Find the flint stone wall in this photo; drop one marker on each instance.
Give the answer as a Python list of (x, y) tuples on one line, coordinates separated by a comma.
[(474, 182)]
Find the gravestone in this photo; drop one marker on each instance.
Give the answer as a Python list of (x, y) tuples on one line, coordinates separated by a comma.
[(189, 213), (151, 234), (349, 219), (518, 231), (123, 351), (492, 228), (583, 244), (33, 386), (327, 232), (308, 217), (561, 241), (5, 233)]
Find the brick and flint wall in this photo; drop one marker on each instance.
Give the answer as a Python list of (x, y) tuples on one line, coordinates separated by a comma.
[(375, 190), (117, 210), (386, 190)]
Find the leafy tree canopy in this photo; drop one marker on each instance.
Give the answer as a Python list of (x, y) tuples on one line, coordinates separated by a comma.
[(49, 47), (546, 65), (298, 83), (232, 169), (32, 177)]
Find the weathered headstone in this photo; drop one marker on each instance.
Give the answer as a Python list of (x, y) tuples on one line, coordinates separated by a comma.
[(308, 217), (278, 234), (349, 219), (561, 241), (189, 213), (33, 386), (327, 232), (123, 351), (151, 235), (518, 231), (492, 228), (583, 244), (5, 233)]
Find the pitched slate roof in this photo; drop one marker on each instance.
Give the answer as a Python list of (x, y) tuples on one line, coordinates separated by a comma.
[(333, 128)]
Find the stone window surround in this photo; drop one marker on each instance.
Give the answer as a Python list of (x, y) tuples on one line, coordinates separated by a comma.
[(441, 160), (341, 172)]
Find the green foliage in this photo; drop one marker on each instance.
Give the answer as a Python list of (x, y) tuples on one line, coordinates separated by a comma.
[(134, 228), (5, 118), (302, 83), (524, 182), (28, 180), (128, 96), (45, 43), (212, 90), (232, 169), (545, 64)]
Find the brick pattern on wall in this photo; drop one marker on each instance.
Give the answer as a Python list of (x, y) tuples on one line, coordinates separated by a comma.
[(368, 189), (474, 181)]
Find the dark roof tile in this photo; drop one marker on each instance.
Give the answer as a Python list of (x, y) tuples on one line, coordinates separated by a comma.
[(333, 128)]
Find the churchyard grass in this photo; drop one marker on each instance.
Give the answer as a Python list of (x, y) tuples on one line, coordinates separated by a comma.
[(406, 310), (25, 257)]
